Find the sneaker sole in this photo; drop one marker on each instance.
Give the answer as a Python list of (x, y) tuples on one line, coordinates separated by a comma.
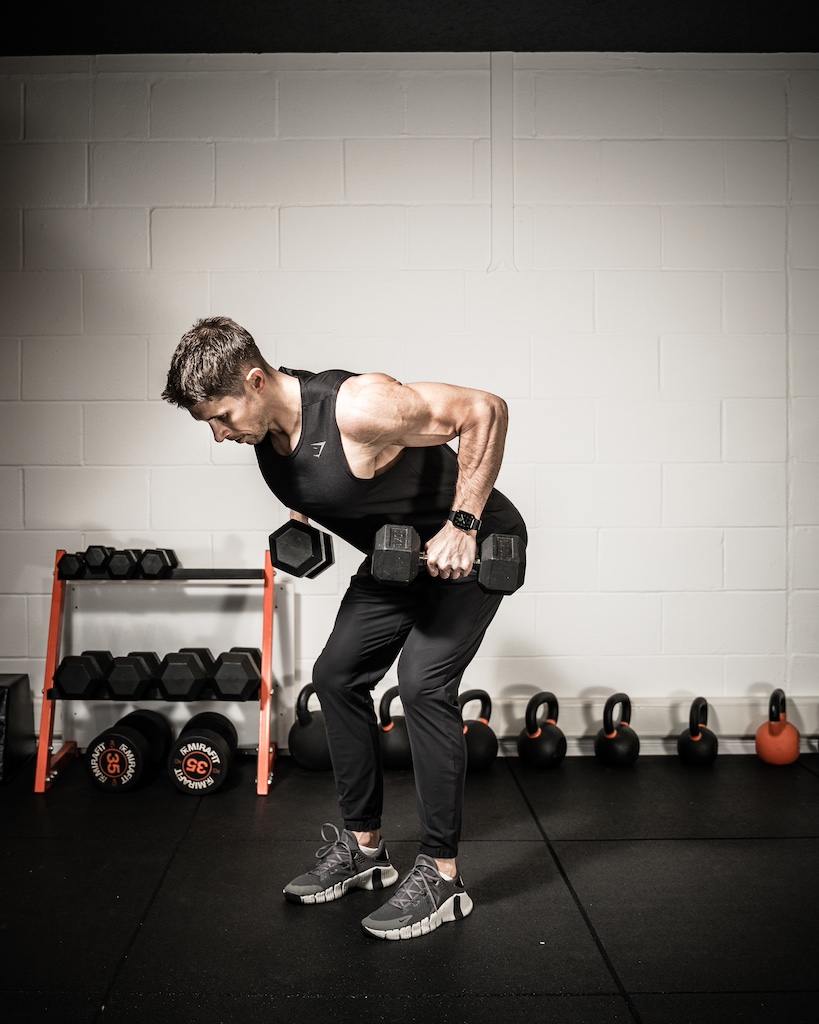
[(372, 878), (455, 908)]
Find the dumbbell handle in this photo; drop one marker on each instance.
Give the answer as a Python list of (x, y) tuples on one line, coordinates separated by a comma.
[(424, 557)]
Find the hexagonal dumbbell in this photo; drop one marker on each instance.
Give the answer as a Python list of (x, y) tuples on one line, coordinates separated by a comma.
[(237, 673), (182, 676), (131, 676), (157, 563), (207, 659), (397, 558), (71, 566), (124, 565), (81, 676), (96, 560), (301, 550)]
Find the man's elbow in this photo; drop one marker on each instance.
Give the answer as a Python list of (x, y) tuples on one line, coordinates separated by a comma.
[(498, 412)]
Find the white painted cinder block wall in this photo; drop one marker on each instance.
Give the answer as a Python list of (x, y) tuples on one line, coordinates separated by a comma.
[(654, 329)]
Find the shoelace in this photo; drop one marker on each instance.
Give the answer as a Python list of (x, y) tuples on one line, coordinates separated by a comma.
[(337, 851), (419, 880)]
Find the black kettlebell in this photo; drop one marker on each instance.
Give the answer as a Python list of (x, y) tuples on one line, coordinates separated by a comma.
[(697, 745), (619, 745), (307, 739), (395, 746), (481, 742), (541, 744)]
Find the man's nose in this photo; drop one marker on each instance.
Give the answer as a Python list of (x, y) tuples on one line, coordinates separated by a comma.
[(220, 431)]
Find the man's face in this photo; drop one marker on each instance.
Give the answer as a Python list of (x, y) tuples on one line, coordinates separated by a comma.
[(242, 419)]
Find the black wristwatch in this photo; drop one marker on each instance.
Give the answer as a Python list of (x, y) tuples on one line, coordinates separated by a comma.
[(464, 520)]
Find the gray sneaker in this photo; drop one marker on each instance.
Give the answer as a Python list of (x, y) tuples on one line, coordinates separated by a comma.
[(341, 866), (422, 902)]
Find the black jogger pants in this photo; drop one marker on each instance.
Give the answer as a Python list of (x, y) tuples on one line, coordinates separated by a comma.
[(437, 627)]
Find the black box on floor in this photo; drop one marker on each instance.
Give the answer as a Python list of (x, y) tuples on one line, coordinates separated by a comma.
[(17, 739)]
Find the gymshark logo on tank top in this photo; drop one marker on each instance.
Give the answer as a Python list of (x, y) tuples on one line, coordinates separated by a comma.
[(319, 446)]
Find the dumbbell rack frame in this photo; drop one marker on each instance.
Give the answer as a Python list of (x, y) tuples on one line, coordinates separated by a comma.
[(51, 763)]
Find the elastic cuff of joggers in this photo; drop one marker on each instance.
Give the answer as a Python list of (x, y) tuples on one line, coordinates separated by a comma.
[(365, 825), (439, 852)]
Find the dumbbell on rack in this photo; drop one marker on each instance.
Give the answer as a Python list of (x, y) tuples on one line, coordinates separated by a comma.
[(200, 758), (234, 675), (96, 558), (72, 566), (157, 563), (125, 755), (82, 676), (237, 674), (185, 674), (397, 558), (132, 676), (100, 562)]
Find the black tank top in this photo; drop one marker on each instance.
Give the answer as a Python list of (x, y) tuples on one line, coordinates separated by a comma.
[(316, 480)]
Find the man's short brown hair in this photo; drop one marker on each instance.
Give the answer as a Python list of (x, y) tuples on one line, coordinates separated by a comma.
[(211, 361)]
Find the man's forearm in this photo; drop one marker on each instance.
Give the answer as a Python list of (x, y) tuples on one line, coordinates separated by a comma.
[(480, 454)]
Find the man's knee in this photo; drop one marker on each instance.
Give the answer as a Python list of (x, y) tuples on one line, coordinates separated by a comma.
[(329, 677), (419, 689)]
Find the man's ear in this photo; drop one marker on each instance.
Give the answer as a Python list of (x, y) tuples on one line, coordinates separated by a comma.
[(256, 378)]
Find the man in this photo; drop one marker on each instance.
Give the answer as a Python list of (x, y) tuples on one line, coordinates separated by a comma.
[(353, 452)]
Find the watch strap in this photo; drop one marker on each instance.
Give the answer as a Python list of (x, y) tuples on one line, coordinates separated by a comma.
[(464, 520)]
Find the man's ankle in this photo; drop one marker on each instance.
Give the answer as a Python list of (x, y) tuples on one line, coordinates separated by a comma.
[(448, 868), (368, 839)]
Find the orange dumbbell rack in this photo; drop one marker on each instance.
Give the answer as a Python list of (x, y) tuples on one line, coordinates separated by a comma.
[(50, 763)]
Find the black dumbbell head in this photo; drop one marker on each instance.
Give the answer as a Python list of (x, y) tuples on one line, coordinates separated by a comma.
[(71, 566), (182, 676), (129, 677), (96, 559), (200, 758), (254, 652), (82, 676), (157, 563), (236, 675), (126, 754), (205, 656), (396, 554), (151, 659), (301, 550), (503, 564), (122, 565)]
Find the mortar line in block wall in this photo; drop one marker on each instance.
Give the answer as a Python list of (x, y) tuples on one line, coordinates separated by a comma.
[(788, 394), (502, 156)]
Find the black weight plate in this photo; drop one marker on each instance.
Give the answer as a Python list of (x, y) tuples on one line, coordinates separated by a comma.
[(155, 728), (199, 762), (118, 759), (212, 721)]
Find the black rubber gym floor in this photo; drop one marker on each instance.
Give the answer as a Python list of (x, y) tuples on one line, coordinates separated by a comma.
[(658, 893)]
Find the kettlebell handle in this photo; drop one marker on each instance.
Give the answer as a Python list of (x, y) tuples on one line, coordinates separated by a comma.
[(303, 713), (384, 708), (533, 727), (483, 697), (698, 717), (608, 713), (776, 708)]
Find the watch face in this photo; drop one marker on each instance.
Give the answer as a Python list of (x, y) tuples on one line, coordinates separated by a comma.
[(463, 520)]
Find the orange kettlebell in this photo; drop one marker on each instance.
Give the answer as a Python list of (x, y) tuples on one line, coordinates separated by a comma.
[(777, 741)]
